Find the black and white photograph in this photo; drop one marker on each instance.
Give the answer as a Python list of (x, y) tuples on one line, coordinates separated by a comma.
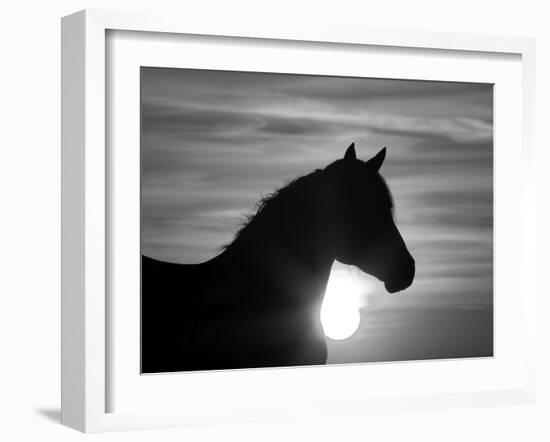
[(294, 220), (263, 222)]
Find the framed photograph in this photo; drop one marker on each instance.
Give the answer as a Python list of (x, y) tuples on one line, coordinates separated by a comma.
[(262, 222)]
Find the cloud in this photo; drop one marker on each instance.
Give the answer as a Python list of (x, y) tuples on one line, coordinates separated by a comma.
[(460, 130), (181, 106), (182, 120)]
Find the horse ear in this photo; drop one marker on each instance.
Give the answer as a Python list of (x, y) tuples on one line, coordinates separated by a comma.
[(376, 161), (350, 153)]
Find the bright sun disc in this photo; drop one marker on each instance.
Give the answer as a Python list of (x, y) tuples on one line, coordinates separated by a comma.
[(339, 324), (340, 316)]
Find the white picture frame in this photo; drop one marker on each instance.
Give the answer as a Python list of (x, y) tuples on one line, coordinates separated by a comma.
[(86, 205)]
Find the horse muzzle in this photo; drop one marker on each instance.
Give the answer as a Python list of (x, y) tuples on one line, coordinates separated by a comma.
[(402, 277)]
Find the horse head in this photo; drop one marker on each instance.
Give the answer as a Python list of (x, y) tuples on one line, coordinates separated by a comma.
[(358, 212)]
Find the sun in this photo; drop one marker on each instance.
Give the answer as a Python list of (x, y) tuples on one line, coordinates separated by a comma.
[(340, 316)]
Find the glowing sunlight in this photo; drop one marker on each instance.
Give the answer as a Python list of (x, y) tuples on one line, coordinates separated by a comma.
[(340, 316)]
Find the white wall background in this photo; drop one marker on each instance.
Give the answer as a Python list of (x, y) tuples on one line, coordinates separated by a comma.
[(30, 217)]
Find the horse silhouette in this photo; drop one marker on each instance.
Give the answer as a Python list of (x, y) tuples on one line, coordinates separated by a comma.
[(257, 303)]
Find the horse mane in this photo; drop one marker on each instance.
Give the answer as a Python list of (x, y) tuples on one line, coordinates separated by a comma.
[(268, 200)]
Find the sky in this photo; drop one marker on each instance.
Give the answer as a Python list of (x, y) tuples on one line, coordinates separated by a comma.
[(214, 142)]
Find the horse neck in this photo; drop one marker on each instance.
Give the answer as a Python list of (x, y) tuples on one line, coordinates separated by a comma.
[(286, 239)]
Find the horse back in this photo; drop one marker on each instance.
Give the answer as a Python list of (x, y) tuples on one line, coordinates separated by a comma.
[(221, 314), (171, 296)]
